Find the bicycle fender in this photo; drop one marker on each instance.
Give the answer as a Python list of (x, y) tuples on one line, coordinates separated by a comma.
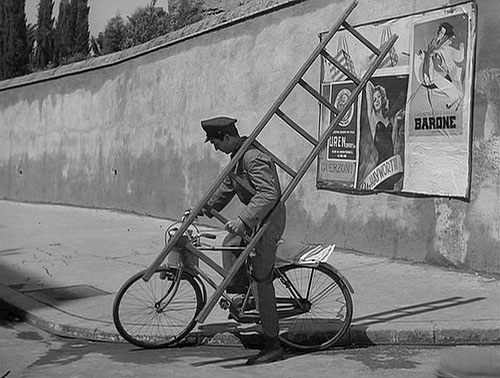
[(337, 272)]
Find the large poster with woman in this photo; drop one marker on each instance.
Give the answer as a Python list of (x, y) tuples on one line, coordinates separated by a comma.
[(439, 103), (409, 131), (382, 139)]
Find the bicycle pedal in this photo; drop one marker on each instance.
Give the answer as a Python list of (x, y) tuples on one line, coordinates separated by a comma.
[(224, 304)]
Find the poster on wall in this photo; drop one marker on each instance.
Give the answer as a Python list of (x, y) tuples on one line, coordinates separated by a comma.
[(339, 158), (439, 105), (382, 142), (409, 130)]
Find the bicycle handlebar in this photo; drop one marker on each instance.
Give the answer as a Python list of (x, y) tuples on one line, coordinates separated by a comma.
[(208, 236)]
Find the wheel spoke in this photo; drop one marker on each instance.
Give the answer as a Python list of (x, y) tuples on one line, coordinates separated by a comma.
[(330, 311), (143, 321)]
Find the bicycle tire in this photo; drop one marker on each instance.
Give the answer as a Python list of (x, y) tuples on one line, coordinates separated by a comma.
[(330, 312), (140, 321)]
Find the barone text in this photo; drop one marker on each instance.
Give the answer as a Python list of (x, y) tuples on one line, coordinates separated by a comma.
[(432, 123)]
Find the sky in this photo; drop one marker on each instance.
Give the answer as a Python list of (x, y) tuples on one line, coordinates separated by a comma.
[(101, 11)]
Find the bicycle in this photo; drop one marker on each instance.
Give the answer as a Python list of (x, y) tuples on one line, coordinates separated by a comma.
[(313, 299)]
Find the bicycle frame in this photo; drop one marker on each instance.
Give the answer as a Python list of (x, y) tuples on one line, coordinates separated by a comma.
[(183, 245), (286, 307), (313, 302)]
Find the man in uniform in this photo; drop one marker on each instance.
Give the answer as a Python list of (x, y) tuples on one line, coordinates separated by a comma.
[(256, 183)]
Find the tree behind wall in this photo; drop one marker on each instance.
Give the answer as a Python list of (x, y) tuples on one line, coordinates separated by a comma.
[(71, 41), (82, 33), (150, 22), (63, 35), (186, 12), (114, 35), (44, 34), (145, 24), (14, 54)]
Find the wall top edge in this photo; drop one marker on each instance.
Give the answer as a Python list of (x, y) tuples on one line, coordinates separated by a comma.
[(225, 19)]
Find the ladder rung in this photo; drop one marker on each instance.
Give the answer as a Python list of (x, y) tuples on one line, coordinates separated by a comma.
[(296, 127), (278, 161), (359, 36), (346, 72), (320, 98)]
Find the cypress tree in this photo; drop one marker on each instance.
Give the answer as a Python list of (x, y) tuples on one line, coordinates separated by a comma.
[(44, 33), (72, 31), (82, 34), (14, 54), (114, 35), (3, 40), (62, 35)]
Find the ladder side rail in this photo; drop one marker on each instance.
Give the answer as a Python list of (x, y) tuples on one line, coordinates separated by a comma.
[(297, 128), (361, 38), (190, 219), (326, 135), (339, 66), (276, 159), (202, 316)]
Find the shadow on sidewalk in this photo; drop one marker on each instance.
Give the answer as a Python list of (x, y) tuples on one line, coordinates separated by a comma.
[(358, 332), (412, 310), (41, 290)]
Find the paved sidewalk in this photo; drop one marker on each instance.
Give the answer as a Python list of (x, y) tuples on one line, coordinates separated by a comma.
[(60, 268)]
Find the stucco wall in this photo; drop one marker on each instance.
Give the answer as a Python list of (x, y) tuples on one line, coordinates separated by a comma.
[(122, 132)]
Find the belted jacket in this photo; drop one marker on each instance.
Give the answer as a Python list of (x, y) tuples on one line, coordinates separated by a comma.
[(256, 183)]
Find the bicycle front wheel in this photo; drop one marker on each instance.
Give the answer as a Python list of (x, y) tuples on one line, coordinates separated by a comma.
[(327, 307), (160, 312)]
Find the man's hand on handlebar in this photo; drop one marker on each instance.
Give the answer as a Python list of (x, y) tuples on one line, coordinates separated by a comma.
[(235, 226)]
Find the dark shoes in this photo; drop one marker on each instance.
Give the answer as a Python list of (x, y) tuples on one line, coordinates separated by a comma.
[(272, 352), (266, 356)]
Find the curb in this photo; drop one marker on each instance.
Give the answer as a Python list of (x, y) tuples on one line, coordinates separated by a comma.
[(18, 304)]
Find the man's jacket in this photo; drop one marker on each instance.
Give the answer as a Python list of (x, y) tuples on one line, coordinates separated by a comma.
[(256, 183)]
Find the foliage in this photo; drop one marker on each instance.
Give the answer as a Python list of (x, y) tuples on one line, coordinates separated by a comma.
[(149, 22), (71, 42), (63, 33), (14, 54), (82, 33), (145, 24), (185, 12), (48, 43), (114, 35), (44, 34)]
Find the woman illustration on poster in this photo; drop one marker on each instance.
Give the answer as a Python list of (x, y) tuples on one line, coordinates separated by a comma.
[(380, 125), (383, 130), (439, 67)]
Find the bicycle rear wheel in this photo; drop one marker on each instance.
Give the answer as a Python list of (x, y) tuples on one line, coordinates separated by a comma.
[(328, 302), (157, 313)]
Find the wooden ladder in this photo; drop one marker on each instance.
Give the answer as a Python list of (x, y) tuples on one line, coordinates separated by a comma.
[(296, 176)]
